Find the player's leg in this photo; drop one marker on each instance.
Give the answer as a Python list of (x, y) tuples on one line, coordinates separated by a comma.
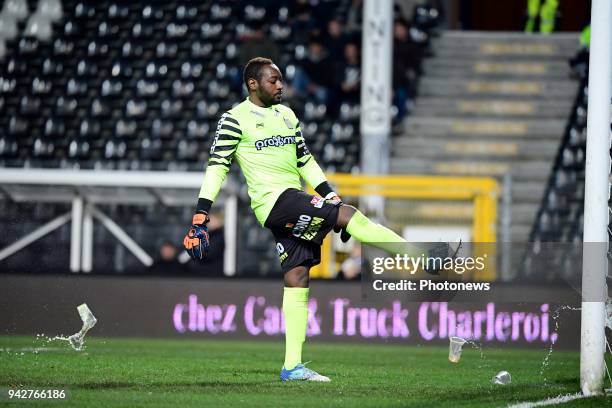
[(368, 232), (295, 311)]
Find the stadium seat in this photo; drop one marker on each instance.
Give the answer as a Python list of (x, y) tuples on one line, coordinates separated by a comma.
[(162, 129), (54, 128), (29, 106), (38, 26), (50, 9), (8, 26), (125, 128), (16, 9), (52, 68), (135, 108), (84, 10), (147, 88)]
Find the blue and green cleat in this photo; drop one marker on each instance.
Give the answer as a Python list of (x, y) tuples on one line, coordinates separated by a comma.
[(301, 373)]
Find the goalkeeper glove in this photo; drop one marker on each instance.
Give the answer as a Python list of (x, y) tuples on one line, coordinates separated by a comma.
[(196, 242), (334, 199)]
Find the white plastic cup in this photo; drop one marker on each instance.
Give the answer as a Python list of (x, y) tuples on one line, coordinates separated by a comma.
[(454, 349), (502, 378)]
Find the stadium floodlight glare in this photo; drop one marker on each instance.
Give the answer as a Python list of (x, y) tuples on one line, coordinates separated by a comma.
[(596, 195)]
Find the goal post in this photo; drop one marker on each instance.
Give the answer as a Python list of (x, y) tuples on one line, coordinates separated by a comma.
[(597, 191)]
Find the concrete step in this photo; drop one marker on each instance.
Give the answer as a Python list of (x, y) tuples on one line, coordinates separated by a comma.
[(491, 108), (484, 128), (524, 213), (429, 212), (520, 233), (528, 191), (536, 89), (438, 149), (485, 68), (457, 213), (460, 37), (504, 51), (528, 171)]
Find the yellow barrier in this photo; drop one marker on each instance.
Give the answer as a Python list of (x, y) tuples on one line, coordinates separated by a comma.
[(483, 191)]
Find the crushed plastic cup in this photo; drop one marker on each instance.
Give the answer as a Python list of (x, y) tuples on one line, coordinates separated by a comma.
[(502, 378), (454, 350), (77, 340)]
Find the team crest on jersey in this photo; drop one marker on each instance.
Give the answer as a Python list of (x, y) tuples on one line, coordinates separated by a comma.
[(288, 123), (317, 202)]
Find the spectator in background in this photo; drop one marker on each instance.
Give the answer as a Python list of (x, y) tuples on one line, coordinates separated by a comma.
[(354, 17), (350, 74), (312, 79), (351, 267), (303, 21), (406, 67), (334, 37), (256, 44), (167, 263)]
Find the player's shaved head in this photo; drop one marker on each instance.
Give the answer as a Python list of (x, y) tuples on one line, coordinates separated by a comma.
[(253, 69)]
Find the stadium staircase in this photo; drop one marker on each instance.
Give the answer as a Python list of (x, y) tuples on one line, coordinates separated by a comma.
[(489, 104)]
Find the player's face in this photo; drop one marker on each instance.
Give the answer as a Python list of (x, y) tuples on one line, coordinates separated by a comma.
[(270, 89)]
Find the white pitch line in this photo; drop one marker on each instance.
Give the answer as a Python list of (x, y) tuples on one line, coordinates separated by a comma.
[(32, 349), (561, 399)]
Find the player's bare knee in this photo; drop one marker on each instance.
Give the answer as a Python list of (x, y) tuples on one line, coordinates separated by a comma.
[(296, 277), (345, 214)]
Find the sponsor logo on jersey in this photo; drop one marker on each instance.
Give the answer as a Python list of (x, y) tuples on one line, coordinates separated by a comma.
[(259, 126), (317, 202), (275, 141), (313, 228), (281, 252), (307, 227)]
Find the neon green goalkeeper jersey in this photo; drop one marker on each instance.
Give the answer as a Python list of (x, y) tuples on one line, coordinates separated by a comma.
[(269, 147)]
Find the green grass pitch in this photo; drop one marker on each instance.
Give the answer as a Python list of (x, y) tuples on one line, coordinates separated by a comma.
[(203, 373)]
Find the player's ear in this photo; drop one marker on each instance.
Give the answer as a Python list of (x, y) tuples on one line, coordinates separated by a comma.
[(253, 85)]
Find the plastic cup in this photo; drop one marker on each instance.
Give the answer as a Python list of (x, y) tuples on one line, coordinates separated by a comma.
[(87, 317), (502, 378), (454, 350)]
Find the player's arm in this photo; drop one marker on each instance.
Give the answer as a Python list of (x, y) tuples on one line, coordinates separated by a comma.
[(227, 137), (310, 170)]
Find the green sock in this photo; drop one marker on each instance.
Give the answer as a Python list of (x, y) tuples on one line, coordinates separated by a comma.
[(378, 236), (295, 311)]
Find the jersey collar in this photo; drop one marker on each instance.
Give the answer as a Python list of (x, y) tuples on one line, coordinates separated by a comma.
[(259, 109)]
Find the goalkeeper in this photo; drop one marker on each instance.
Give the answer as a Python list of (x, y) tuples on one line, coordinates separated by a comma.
[(264, 137)]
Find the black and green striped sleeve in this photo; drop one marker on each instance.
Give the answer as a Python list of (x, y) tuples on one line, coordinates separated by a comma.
[(307, 165), (227, 137)]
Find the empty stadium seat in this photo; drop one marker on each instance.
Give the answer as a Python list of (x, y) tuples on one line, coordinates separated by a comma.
[(16, 9), (40, 27)]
